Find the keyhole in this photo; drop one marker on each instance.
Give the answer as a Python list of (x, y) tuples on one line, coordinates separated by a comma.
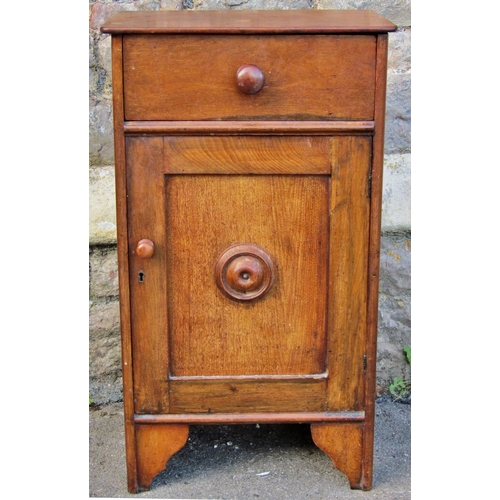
[(141, 276)]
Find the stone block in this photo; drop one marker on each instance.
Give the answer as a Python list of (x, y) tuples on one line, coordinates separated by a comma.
[(396, 194), (102, 11), (398, 113), (104, 393), (170, 4), (104, 89), (92, 55), (394, 328), (396, 11), (246, 4), (102, 213), (100, 53), (101, 147), (93, 80), (399, 56), (103, 272), (105, 343)]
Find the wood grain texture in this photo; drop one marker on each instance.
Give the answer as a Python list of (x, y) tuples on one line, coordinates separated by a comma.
[(146, 220), (343, 442), (213, 335), (212, 396), (249, 21), (250, 128), (122, 245), (244, 417), (155, 445), (374, 251), (192, 77), (349, 217), (247, 155)]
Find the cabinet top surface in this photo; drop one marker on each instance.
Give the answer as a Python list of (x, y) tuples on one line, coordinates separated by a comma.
[(248, 21)]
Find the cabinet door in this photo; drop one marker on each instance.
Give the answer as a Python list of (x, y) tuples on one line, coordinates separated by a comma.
[(255, 297)]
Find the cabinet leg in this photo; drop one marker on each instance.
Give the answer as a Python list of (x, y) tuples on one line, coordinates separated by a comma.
[(155, 444), (343, 442)]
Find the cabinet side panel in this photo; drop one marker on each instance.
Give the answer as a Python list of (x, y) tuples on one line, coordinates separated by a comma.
[(122, 244), (374, 253), (349, 216), (148, 305)]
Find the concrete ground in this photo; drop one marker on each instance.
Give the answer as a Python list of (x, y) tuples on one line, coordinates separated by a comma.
[(250, 462)]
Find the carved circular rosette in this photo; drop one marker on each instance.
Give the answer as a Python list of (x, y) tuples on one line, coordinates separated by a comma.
[(245, 272)]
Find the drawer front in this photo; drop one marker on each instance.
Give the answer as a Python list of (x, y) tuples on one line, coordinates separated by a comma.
[(192, 77)]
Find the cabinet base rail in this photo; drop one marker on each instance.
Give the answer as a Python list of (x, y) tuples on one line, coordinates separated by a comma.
[(250, 418)]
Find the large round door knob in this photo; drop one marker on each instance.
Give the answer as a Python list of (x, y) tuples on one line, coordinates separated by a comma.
[(145, 249), (245, 272), (249, 78)]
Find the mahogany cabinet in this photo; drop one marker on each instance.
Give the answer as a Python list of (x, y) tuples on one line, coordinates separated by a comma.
[(249, 151)]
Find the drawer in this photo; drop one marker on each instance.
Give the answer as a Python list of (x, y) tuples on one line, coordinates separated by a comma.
[(193, 77)]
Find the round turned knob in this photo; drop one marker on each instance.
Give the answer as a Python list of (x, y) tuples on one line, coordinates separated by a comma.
[(244, 272), (249, 78), (145, 249)]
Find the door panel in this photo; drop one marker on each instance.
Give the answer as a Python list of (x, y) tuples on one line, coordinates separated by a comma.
[(300, 346), (285, 331)]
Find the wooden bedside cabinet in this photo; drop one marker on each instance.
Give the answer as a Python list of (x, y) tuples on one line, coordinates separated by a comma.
[(249, 150)]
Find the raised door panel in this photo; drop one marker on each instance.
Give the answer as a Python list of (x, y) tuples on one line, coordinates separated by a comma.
[(282, 333)]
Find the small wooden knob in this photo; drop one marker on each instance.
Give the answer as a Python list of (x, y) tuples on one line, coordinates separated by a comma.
[(245, 274), (145, 249), (249, 78)]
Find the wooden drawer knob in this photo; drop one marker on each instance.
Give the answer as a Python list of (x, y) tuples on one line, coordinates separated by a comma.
[(145, 249), (250, 79), (245, 272)]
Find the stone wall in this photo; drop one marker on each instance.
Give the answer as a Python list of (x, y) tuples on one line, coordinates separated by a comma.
[(394, 316)]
